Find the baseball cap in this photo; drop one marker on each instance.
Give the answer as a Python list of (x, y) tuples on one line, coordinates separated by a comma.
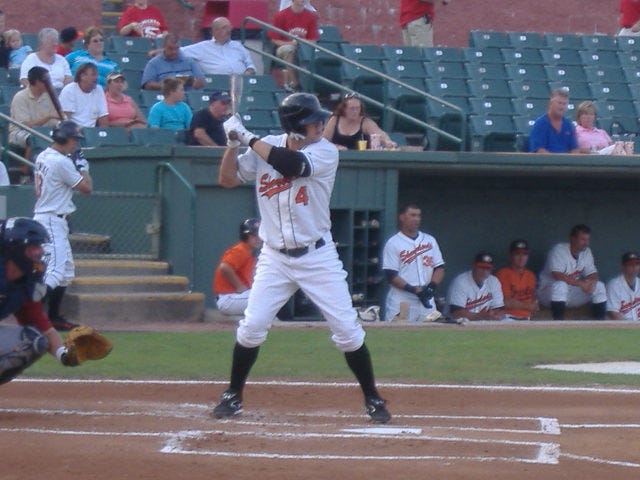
[(630, 257), (69, 34), (483, 260), (519, 244), (222, 96), (113, 75)]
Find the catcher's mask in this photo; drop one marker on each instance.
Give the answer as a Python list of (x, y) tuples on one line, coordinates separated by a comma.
[(17, 234)]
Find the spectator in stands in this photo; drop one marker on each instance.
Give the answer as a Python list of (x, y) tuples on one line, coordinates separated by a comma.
[(629, 18), (302, 23), (83, 100), (171, 63), (476, 294), (171, 112), (206, 126), (68, 38), (287, 3), (234, 275), (623, 291), (93, 53), (553, 132), (123, 110), (349, 124), (47, 57), (590, 138), (518, 283), (32, 106), (570, 277), (142, 20), (17, 50), (416, 22), (221, 55)]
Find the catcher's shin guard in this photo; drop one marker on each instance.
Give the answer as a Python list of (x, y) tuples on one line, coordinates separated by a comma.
[(20, 347)]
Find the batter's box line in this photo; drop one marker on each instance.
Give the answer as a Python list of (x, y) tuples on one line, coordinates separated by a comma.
[(547, 453)]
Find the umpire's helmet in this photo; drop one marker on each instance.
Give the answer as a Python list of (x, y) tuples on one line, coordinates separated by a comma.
[(66, 130), (250, 225), (17, 233), (300, 109)]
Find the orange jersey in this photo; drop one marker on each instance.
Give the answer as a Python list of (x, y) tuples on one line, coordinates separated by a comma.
[(519, 286), (241, 259)]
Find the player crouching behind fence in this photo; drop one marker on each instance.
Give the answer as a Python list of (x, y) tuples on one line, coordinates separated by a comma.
[(294, 175), (21, 290)]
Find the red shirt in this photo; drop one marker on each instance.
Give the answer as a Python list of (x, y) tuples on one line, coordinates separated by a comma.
[(241, 259), (412, 9), (303, 24), (31, 313), (150, 19), (629, 12)]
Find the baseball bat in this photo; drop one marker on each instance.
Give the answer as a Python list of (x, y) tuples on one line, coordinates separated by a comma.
[(54, 99), (235, 92)]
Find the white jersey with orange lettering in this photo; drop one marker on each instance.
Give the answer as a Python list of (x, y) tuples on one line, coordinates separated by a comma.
[(298, 251), (415, 260), (466, 293), (623, 298)]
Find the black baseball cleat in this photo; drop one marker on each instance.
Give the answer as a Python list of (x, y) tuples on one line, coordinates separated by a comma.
[(62, 324), (377, 409), (230, 405)]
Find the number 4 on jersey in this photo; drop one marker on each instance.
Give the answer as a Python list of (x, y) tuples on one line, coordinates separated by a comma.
[(302, 197)]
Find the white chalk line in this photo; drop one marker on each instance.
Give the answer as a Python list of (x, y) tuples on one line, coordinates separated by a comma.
[(285, 383), (601, 460)]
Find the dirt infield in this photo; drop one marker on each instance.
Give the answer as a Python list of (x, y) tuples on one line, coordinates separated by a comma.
[(61, 429)]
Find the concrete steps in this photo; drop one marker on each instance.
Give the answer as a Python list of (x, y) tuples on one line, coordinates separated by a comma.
[(130, 291)]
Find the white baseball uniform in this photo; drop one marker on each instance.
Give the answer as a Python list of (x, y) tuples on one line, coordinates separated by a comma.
[(55, 178), (466, 293), (294, 214), (561, 260), (623, 298), (415, 261)]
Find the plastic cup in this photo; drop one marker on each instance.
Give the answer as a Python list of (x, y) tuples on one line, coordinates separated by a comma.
[(362, 144)]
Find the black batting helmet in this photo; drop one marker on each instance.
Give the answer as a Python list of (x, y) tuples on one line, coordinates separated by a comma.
[(17, 233), (300, 109), (66, 130), (250, 225)]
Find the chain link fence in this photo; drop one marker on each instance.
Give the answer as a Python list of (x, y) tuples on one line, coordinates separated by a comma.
[(120, 225)]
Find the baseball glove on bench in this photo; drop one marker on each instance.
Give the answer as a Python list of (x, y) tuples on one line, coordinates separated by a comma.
[(85, 343)]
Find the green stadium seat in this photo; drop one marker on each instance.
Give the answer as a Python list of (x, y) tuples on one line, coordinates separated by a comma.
[(402, 53), (565, 73), (445, 70), (447, 87), (259, 119), (444, 54), (620, 126), (403, 69), (492, 133), (407, 102), (134, 81), (611, 91), (522, 124), (631, 74), (318, 61), (488, 38), (451, 123), (525, 40), (366, 83), (491, 106), (521, 55), (598, 42), (480, 71), (4, 76), (399, 138), (258, 83), (435, 110), (197, 100), (219, 82), (600, 58), (485, 55), (578, 91), (530, 72), (563, 56), (491, 87), (8, 91), (14, 76), (529, 107), (149, 98), (558, 41), (151, 137), (131, 61), (259, 101), (529, 89), (31, 39), (628, 44), (629, 59), (105, 137), (616, 108), (357, 52), (606, 74), (38, 144), (330, 33), (126, 44)]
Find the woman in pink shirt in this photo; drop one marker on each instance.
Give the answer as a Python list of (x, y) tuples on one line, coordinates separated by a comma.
[(590, 138), (123, 110)]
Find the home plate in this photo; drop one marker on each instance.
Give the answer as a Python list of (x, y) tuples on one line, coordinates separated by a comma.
[(385, 430), (624, 368)]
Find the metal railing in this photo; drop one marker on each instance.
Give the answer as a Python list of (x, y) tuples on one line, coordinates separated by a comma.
[(6, 151), (315, 48)]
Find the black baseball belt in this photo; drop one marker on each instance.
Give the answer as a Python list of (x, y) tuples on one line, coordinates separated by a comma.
[(299, 252)]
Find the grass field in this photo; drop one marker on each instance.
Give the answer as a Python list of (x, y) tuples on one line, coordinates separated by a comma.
[(405, 355)]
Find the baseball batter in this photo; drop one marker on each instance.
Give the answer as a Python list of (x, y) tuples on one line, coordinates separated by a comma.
[(56, 176), (623, 291), (476, 294), (414, 267), (294, 175), (570, 277), (21, 290)]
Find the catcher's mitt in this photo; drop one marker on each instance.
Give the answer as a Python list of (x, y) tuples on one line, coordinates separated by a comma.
[(85, 343)]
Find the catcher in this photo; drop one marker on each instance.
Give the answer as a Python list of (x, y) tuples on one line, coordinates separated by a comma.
[(21, 290)]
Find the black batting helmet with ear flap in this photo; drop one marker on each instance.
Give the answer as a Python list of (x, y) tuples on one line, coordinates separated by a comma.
[(66, 130), (250, 225), (300, 109)]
